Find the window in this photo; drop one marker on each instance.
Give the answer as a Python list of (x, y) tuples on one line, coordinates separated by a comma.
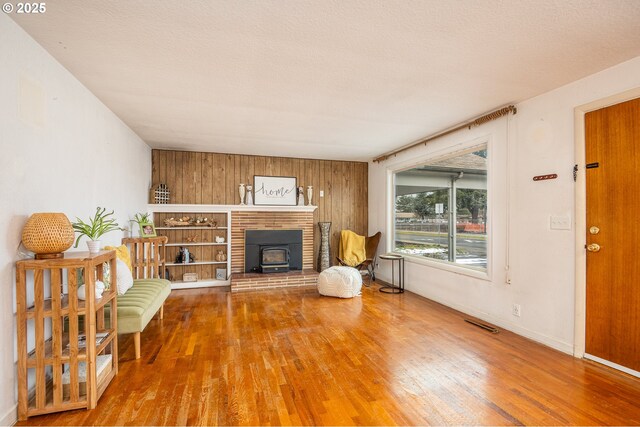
[(441, 209)]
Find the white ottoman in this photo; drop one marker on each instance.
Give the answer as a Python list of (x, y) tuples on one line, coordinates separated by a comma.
[(341, 282)]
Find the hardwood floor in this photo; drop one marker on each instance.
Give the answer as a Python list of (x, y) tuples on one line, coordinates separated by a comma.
[(294, 357)]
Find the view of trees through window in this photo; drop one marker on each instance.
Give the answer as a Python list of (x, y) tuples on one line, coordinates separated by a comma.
[(441, 209)]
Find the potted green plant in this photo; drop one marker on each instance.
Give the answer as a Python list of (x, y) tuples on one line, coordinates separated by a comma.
[(142, 217), (101, 223)]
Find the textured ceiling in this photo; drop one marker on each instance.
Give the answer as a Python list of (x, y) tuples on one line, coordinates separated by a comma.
[(332, 79)]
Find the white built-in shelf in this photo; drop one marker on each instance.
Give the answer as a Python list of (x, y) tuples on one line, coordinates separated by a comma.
[(173, 264), (197, 244), (227, 208), (180, 227), (206, 265)]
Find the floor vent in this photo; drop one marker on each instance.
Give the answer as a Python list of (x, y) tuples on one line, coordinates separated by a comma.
[(484, 326)]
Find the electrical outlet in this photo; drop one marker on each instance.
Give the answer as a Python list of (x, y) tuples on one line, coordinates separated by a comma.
[(321, 193), (515, 310)]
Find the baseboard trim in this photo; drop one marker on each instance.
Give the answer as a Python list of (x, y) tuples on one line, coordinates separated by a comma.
[(612, 365), (504, 324), (10, 417)]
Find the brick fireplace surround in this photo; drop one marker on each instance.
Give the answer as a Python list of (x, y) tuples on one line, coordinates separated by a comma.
[(265, 220)]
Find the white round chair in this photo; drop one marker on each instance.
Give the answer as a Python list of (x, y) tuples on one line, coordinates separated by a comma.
[(340, 282)]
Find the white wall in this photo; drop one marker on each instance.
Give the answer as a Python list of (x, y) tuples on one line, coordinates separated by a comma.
[(62, 150), (538, 140)]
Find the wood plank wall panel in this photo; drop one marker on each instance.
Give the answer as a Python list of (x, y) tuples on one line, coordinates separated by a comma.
[(241, 221), (213, 178)]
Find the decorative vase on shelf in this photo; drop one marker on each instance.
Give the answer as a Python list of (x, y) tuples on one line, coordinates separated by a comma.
[(99, 290), (309, 195), (94, 246), (325, 246), (300, 196), (241, 191), (249, 195)]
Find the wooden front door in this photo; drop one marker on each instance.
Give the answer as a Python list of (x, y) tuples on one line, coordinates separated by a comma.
[(612, 151)]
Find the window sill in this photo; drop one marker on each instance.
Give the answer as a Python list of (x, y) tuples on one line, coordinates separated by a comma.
[(446, 266)]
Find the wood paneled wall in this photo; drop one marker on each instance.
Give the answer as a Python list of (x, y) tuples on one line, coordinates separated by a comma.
[(212, 178)]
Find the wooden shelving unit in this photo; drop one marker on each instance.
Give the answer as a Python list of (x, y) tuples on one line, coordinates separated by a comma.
[(50, 319), (201, 242)]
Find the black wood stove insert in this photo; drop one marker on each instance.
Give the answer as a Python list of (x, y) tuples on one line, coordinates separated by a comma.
[(272, 251)]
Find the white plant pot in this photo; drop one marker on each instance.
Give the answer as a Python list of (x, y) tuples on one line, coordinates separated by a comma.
[(94, 246)]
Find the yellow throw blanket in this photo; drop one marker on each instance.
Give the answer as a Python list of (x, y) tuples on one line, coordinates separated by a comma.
[(352, 250)]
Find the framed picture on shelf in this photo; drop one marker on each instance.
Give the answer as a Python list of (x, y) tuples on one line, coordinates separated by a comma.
[(147, 229), (274, 190)]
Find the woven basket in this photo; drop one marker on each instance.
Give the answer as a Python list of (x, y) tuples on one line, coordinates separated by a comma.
[(47, 233)]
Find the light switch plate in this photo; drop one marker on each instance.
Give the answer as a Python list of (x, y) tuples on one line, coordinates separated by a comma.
[(560, 222), (321, 193)]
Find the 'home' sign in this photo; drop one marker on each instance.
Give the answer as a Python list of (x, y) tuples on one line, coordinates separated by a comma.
[(275, 190)]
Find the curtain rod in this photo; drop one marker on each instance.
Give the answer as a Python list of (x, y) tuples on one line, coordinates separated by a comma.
[(469, 124)]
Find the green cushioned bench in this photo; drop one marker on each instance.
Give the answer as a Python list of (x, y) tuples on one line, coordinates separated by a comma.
[(139, 304), (146, 297)]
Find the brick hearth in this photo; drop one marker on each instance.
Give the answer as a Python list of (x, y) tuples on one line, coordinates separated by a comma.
[(256, 281)]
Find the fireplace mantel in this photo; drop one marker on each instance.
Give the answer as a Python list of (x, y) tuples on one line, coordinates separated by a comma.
[(228, 208)]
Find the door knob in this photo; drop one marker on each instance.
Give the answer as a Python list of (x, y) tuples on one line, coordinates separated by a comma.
[(593, 247)]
